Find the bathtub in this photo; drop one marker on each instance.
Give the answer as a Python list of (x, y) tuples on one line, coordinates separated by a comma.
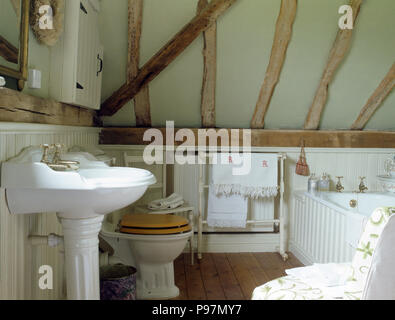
[(325, 228), (365, 203)]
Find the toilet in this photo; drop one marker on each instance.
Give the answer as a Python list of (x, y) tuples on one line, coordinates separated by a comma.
[(150, 243)]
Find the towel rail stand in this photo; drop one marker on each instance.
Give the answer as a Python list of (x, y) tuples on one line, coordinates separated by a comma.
[(280, 223)]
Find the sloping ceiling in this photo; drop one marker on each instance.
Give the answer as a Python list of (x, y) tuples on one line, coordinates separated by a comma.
[(245, 37)]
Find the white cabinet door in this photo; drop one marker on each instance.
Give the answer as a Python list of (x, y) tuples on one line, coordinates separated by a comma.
[(90, 57), (77, 58)]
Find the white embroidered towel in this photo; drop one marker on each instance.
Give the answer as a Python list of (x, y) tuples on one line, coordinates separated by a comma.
[(252, 175), (226, 211)]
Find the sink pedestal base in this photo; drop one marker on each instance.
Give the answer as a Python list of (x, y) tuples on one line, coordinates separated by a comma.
[(81, 244)]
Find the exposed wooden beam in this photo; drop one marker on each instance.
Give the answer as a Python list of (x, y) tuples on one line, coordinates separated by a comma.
[(209, 72), (338, 52), (142, 107), (375, 100), (271, 138), (19, 107), (135, 16), (8, 51), (282, 38), (165, 56), (202, 4)]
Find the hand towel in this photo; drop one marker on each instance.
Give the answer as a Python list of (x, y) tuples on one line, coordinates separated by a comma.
[(171, 202), (355, 225), (226, 211), (252, 175)]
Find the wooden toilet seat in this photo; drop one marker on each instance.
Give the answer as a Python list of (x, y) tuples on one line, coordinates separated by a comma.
[(154, 224)]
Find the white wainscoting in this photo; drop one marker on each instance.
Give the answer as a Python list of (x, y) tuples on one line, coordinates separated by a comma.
[(350, 163), (19, 261), (318, 232)]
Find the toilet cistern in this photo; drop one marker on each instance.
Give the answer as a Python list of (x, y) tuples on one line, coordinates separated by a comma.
[(81, 197)]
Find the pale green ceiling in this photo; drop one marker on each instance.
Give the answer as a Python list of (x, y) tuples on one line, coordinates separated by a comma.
[(245, 36)]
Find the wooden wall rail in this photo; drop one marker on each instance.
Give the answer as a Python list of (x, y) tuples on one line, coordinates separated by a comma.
[(19, 107), (271, 138)]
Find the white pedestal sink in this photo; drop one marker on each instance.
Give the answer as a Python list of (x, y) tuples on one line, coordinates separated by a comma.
[(80, 198)]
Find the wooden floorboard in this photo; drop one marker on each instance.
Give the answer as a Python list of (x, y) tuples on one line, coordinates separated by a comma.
[(228, 276), (255, 269), (179, 277), (211, 281), (272, 265), (228, 281), (243, 275), (195, 287)]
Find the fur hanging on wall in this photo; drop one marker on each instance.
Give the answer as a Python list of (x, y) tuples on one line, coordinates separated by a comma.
[(44, 35)]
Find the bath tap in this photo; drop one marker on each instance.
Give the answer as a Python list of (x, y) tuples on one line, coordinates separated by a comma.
[(339, 187), (362, 187)]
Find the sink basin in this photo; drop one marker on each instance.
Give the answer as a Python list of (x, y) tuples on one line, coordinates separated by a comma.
[(95, 189), (80, 198)]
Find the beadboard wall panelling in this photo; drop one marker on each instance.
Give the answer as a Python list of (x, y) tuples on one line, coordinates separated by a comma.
[(19, 261), (318, 233), (349, 163)]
